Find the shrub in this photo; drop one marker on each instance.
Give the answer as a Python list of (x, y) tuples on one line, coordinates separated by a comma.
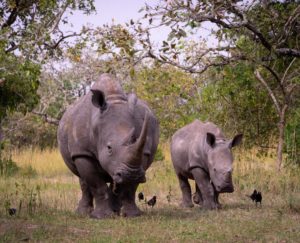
[(8, 167)]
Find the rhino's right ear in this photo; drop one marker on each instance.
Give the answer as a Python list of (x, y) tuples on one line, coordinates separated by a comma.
[(211, 139), (98, 99)]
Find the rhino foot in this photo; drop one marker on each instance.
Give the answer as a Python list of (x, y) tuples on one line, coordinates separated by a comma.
[(97, 214), (211, 205), (131, 211), (197, 199), (186, 205), (84, 210)]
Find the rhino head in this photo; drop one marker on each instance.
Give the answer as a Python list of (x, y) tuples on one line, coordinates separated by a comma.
[(220, 161), (120, 138)]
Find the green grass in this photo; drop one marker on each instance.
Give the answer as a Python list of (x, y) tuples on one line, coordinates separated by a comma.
[(46, 201)]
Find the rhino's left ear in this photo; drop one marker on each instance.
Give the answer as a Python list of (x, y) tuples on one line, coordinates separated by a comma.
[(236, 140), (132, 99), (98, 99)]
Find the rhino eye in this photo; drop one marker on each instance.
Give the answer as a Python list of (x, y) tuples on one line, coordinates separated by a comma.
[(109, 149), (133, 139)]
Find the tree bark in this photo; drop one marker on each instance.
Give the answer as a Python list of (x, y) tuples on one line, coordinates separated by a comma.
[(281, 128)]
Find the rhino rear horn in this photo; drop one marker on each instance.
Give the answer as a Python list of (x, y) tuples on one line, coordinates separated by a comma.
[(132, 100), (98, 99), (138, 146)]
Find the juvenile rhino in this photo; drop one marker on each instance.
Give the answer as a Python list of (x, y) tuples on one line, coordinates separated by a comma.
[(200, 152), (108, 137)]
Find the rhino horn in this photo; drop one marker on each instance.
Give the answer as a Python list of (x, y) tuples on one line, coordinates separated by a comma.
[(138, 147)]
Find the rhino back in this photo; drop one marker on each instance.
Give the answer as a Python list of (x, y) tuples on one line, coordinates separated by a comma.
[(74, 130)]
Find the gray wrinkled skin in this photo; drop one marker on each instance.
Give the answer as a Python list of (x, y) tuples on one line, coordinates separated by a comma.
[(200, 152), (108, 139)]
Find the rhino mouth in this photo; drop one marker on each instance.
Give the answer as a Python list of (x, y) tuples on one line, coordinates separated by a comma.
[(228, 188), (128, 175)]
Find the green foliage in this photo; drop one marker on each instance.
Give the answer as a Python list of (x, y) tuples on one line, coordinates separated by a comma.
[(31, 27), (30, 131), (292, 139), (169, 92), (237, 103), (20, 82)]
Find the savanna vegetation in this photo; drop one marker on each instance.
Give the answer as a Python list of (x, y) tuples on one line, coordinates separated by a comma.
[(245, 77)]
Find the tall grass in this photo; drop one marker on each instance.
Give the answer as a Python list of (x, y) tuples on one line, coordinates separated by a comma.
[(48, 162)]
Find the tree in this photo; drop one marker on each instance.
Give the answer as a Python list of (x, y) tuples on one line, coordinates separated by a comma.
[(169, 92), (30, 32), (33, 28), (239, 106), (246, 31)]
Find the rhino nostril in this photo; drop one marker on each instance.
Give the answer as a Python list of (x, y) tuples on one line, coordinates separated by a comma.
[(118, 177)]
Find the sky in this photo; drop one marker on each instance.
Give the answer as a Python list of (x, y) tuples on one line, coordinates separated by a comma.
[(121, 12)]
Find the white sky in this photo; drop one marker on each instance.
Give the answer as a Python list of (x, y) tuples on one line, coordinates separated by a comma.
[(120, 12)]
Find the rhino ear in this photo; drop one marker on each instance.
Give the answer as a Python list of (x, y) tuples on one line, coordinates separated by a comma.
[(132, 99), (98, 99), (236, 140), (210, 139)]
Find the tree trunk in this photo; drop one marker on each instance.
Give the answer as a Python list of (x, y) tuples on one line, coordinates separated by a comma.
[(281, 128), (280, 145)]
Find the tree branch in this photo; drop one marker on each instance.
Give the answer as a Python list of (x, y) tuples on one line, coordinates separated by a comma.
[(12, 17), (46, 118), (288, 52), (272, 95)]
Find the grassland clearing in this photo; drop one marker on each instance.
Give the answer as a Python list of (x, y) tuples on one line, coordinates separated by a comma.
[(46, 198)]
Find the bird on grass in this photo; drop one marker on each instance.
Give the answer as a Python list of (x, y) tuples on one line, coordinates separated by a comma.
[(12, 211), (256, 197), (152, 201), (140, 196)]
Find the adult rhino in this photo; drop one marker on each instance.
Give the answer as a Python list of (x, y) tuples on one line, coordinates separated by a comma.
[(200, 152), (108, 139)]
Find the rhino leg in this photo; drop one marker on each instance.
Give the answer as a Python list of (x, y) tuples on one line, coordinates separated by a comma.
[(217, 199), (206, 188), (129, 208), (186, 192), (89, 173), (197, 197), (115, 201), (85, 206)]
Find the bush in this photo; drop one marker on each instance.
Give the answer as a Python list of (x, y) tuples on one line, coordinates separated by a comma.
[(8, 167)]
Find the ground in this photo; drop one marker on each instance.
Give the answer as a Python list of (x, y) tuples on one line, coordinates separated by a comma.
[(45, 195)]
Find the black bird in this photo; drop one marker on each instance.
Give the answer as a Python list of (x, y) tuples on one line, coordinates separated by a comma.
[(12, 211), (152, 201), (140, 196), (256, 197)]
